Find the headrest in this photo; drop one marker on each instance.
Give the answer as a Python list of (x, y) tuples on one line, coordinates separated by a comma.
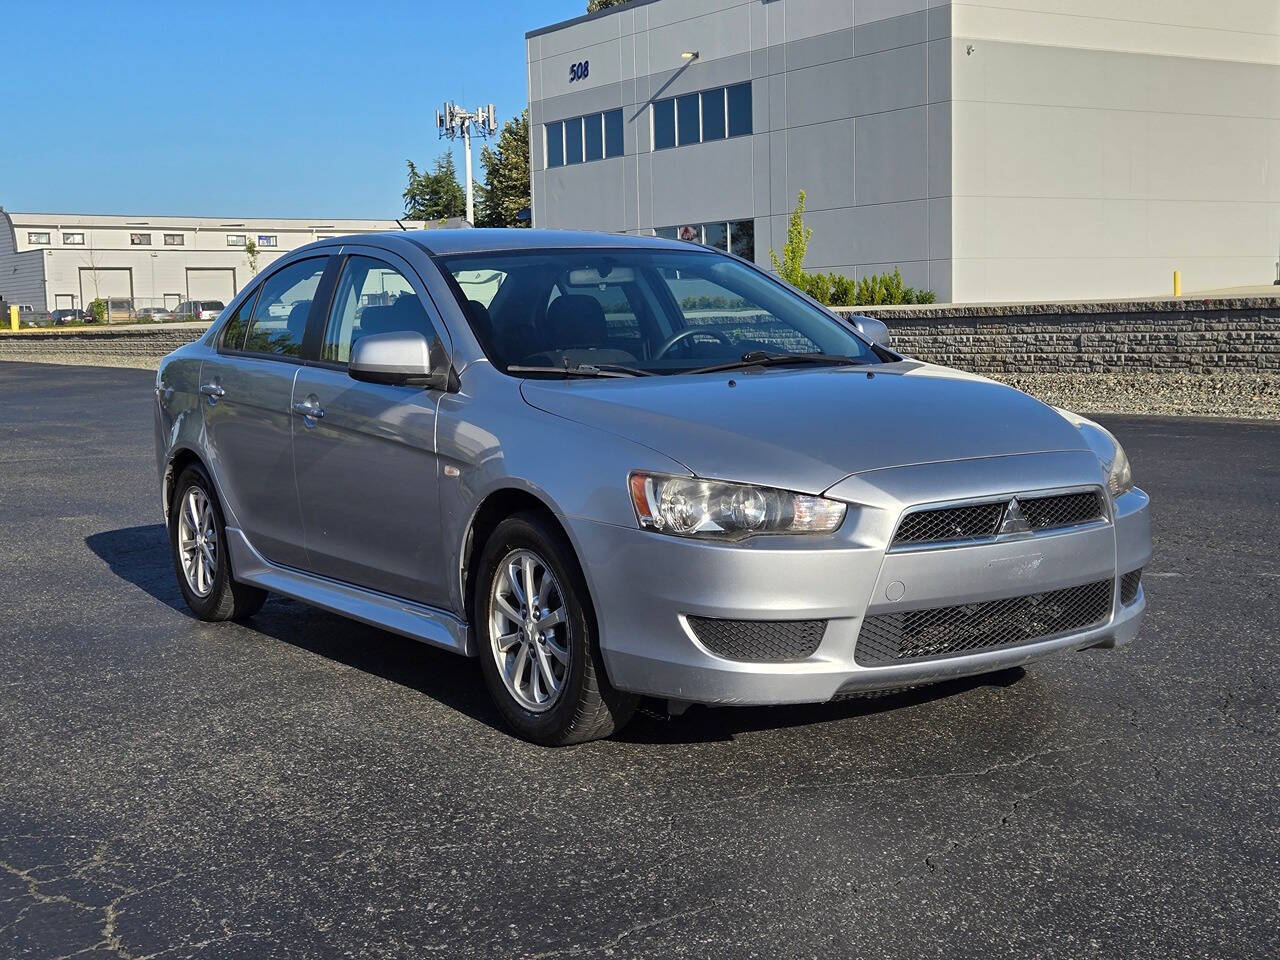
[(481, 321), (296, 323), (376, 319), (576, 320)]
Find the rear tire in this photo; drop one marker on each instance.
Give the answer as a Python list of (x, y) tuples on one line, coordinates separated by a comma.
[(541, 660), (198, 542)]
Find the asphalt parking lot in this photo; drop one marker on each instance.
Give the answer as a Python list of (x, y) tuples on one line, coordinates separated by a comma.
[(303, 786)]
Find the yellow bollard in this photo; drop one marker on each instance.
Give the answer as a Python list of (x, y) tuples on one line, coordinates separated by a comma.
[(13, 317), (1177, 283)]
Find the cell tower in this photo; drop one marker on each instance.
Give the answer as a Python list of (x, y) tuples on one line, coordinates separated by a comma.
[(453, 122)]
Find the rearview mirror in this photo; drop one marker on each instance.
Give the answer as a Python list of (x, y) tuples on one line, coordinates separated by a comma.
[(399, 358), (873, 329)]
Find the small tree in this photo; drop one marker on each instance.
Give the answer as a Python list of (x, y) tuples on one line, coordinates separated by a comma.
[(505, 191), (98, 310), (251, 255), (594, 5), (434, 194), (790, 266)]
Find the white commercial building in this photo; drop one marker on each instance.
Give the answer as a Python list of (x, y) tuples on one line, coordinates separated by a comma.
[(51, 261), (991, 149)]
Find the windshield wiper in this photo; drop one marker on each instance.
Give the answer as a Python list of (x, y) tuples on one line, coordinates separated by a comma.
[(586, 370), (762, 358)]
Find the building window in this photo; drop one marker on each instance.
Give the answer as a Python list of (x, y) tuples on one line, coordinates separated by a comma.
[(702, 117), (736, 236), (73, 239), (597, 136), (235, 239), (41, 237), (174, 240), (266, 240), (139, 239)]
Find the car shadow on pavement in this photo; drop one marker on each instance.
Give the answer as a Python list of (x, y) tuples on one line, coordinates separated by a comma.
[(140, 555), (705, 724)]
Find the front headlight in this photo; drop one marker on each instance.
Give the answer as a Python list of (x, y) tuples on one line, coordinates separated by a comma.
[(1108, 450), (714, 510)]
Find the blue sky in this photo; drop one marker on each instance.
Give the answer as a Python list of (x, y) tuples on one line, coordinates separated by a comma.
[(246, 109)]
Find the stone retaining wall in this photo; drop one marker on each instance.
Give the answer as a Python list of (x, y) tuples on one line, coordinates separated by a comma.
[(1218, 357), (134, 347)]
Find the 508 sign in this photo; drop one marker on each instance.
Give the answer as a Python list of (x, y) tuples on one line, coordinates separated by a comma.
[(579, 71)]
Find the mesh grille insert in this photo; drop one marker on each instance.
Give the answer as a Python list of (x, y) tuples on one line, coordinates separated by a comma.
[(982, 520), (1066, 510), (1129, 584), (947, 631), (952, 523), (759, 641)]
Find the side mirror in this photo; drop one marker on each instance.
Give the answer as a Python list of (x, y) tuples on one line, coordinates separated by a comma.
[(400, 358), (873, 329)]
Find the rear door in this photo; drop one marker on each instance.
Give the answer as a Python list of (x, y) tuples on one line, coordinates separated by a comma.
[(365, 460), (247, 402)]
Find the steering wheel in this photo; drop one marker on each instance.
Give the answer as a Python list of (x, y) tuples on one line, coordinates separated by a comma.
[(685, 334)]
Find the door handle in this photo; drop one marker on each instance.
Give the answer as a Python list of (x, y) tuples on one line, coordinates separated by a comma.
[(309, 409), (213, 391)]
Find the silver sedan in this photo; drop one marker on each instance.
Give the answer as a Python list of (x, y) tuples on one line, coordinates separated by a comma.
[(611, 467)]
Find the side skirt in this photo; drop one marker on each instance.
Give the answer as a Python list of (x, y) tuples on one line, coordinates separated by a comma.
[(417, 621)]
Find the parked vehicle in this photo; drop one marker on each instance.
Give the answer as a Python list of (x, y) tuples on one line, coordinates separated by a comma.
[(201, 310), (617, 466), (63, 317), (155, 314)]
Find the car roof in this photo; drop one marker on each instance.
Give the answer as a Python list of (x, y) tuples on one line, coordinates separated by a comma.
[(445, 242)]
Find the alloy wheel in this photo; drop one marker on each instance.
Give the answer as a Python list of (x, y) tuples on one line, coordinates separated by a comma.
[(198, 541), (529, 630)]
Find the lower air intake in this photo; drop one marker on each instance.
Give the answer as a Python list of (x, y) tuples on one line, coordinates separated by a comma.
[(1129, 585), (759, 641), (949, 631)]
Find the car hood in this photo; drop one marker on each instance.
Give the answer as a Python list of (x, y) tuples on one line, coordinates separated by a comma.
[(805, 429)]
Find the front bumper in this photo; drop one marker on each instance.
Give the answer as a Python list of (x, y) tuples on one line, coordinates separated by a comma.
[(646, 585)]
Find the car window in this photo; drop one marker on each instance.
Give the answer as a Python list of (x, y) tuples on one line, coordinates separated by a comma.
[(279, 318), (233, 332), (665, 311), (372, 297)]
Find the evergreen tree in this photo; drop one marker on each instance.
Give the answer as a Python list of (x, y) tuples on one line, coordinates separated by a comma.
[(594, 5), (505, 190), (436, 195)]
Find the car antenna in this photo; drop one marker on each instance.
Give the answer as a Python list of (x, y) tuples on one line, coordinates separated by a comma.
[(402, 226)]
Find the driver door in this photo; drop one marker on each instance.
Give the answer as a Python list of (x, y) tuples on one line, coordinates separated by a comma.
[(364, 454)]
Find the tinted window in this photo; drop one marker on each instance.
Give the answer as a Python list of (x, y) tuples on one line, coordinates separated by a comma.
[(555, 144), (280, 315), (713, 115), (594, 143), (740, 110), (716, 235), (623, 306), (573, 140), (687, 119), (664, 124), (742, 234), (213, 305), (233, 332), (613, 133), (372, 297)]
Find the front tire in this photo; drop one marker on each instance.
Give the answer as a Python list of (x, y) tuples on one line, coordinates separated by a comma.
[(197, 540), (539, 650)]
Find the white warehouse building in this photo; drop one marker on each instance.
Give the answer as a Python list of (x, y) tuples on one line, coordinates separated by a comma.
[(52, 261)]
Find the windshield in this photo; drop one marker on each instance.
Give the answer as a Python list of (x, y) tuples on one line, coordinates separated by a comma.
[(655, 311)]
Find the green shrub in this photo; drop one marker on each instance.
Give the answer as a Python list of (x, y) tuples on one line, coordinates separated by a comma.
[(98, 311)]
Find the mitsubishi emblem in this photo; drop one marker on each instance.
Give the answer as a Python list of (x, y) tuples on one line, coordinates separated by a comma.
[(1014, 519)]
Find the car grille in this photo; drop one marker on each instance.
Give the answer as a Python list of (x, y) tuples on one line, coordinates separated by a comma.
[(983, 520), (759, 641), (948, 631), (1129, 585)]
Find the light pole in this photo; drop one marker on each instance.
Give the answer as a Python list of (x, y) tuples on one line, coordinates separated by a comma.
[(453, 122)]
